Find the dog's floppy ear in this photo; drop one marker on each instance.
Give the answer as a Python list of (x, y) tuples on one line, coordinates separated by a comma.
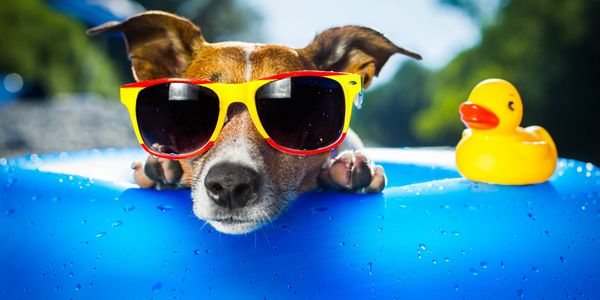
[(160, 44), (353, 49)]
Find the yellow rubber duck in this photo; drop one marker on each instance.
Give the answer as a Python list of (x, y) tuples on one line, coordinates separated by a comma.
[(494, 149)]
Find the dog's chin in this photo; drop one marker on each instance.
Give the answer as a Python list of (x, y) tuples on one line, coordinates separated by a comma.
[(234, 227)]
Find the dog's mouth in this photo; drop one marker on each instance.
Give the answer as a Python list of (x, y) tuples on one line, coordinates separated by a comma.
[(230, 220), (234, 225)]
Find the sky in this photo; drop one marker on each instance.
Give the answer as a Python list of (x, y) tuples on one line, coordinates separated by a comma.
[(436, 32)]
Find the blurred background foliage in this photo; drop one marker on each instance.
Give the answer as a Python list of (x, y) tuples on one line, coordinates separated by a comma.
[(220, 20), (52, 51), (550, 50)]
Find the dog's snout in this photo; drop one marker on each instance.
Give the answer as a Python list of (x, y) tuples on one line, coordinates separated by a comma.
[(232, 185)]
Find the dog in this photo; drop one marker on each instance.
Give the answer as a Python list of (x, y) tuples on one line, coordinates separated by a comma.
[(163, 45)]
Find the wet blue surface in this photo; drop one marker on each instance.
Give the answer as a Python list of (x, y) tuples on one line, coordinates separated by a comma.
[(64, 236)]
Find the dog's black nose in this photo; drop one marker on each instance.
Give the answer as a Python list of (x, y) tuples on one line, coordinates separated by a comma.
[(232, 185)]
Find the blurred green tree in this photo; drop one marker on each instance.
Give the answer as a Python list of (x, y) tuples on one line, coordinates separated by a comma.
[(219, 19), (388, 112), (549, 49), (480, 11), (52, 50)]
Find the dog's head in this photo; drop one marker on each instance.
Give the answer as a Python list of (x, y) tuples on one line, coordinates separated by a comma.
[(242, 182)]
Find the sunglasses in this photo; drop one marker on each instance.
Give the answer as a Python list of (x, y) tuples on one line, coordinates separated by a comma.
[(302, 113)]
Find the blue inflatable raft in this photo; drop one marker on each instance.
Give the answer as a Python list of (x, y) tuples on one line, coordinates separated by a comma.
[(73, 225)]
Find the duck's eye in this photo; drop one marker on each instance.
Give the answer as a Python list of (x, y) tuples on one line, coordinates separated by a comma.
[(510, 105)]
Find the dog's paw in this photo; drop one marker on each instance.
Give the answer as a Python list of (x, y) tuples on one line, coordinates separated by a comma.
[(352, 171), (160, 173)]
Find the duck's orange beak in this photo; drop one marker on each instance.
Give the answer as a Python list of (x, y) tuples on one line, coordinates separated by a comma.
[(477, 117)]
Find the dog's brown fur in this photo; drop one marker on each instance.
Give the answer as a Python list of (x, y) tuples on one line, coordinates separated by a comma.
[(163, 45)]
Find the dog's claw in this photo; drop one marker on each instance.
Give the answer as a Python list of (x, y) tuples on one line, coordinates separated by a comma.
[(159, 173), (140, 176), (378, 181), (352, 171)]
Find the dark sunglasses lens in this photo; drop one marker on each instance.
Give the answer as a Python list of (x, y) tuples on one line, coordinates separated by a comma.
[(176, 118), (302, 113)]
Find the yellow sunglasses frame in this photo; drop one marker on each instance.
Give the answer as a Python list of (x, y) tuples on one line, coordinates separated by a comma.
[(243, 93)]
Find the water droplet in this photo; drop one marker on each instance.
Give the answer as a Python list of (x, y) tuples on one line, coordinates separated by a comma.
[(207, 251), (71, 178), (447, 259), (83, 222), (35, 197), (589, 166), (443, 232), (379, 229), (164, 208), (117, 223), (473, 271), (55, 199), (60, 180), (535, 269), (57, 288), (562, 259), (10, 211), (371, 268), (583, 207), (524, 278), (422, 247), (434, 261), (197, 252), (579, 169), (520, 292), (129, 208), (175, 253), (484, 264), (77, 287), (456, 288), (502, 264), (100, 234), (455, 233), (342, 244), (441, 188), (71, 274), (156, 287)]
